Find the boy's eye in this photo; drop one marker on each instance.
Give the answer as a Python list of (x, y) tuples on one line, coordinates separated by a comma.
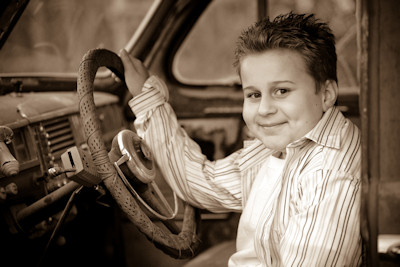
[(281, 91), (253, 95)]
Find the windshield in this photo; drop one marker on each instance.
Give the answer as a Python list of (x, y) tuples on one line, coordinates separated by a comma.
[(52, 36)]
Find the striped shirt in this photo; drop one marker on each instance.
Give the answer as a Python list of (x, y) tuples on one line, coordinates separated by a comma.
[(313, 216)]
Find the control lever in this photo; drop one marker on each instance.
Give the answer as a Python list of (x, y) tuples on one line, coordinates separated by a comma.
[(8, 164)]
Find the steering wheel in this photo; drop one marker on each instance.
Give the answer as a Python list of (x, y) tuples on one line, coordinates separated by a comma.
[(183, 244)]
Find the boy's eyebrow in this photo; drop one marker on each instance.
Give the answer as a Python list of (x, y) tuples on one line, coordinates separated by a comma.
[(283, 81), (249, 87), (269, 84)]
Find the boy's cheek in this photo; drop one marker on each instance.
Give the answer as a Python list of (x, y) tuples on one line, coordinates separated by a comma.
[(247, 117)]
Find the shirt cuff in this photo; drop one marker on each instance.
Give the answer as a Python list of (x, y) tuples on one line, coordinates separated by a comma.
[(154, 93)]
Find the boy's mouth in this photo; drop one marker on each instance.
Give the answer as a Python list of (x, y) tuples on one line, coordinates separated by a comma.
[(271, 125)]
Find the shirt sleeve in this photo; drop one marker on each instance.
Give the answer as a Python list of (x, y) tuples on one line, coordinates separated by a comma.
[(212, 185), (325, 230)]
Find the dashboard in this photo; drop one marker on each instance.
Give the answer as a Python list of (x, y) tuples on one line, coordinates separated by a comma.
[(44, 125)]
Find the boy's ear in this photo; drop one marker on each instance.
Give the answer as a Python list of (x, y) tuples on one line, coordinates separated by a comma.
[(329, 93)]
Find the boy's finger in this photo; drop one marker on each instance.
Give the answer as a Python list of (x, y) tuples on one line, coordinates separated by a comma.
[(128, 64), (138, 65)]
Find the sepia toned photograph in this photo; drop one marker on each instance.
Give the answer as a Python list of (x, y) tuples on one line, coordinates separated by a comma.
[(193, 133)]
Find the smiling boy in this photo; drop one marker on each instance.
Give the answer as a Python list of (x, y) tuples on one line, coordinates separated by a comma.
[(297, 183), (284, 105)]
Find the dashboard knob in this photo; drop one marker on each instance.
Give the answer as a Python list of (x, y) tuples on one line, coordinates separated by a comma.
[(3, 194), (9, 166), (11, 189)]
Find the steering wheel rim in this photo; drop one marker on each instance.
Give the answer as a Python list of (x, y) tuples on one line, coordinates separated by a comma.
[(182, 245)]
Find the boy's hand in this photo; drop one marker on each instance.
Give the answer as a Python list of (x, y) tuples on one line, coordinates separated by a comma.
[(135, 73)]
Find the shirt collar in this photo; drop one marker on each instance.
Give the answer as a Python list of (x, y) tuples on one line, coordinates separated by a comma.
[(327, 132)]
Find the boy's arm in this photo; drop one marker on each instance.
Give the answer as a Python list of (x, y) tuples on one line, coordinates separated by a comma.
[(216, 186), (325, 231)]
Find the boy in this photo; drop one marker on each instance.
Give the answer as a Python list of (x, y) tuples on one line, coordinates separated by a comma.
[(298, 183)]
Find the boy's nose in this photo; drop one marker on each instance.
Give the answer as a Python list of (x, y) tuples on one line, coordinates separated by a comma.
[(267, 106)]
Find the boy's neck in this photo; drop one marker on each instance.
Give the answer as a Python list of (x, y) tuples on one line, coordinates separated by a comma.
[(279, 154)]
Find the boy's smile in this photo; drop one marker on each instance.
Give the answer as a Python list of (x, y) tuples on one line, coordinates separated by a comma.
[(281, 104)]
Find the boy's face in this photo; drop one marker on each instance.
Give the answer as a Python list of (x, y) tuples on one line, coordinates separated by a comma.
[(280, 100)]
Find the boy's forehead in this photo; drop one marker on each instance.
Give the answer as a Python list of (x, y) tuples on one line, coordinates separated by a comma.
[(274, 64), (275, 53)]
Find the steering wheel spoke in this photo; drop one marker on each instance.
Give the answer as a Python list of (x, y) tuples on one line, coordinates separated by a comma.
[(171, 213)]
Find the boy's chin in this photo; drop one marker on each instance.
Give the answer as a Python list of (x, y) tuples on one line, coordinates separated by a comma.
[(276, 143), (279, 147)]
